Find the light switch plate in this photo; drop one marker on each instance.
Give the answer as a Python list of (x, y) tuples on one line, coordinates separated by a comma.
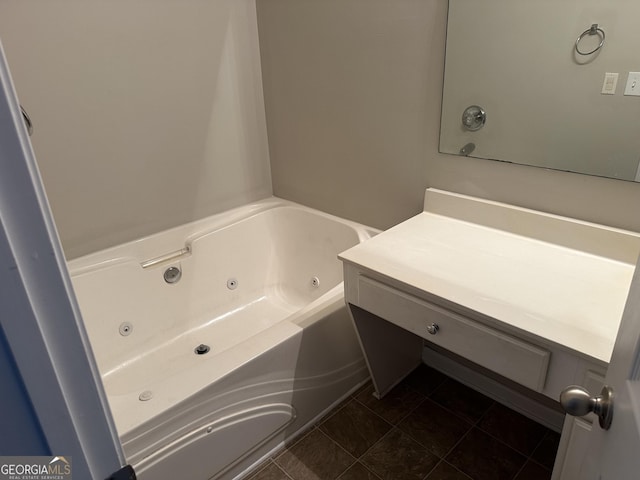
[(633, 84), (610, 83)]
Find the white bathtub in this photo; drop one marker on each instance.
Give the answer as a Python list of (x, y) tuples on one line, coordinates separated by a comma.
[(261, 286)]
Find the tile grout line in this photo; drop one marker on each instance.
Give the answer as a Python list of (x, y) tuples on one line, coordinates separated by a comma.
[(351, 466), (282, 450), (359, 458), (424, 399), (258, 469), (519, 471), (378, 441), (471, 421), (369, 470), (335, 411), (530, 457), (286, 474), (527, 456), (355, 460), (393, 427), (458, 470), (476, 424), (440, 460), (330, 439), (401, 418), (413, 389), (444, 457), (428, 395), (301, 437), (472, 424), (269, 462), (533, 460), (448, 451), (375, 443)]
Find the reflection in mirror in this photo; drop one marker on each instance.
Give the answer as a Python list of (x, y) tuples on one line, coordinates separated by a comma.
[(545, 104)]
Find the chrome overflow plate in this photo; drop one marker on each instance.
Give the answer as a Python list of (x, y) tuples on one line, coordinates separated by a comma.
[(172, 274)]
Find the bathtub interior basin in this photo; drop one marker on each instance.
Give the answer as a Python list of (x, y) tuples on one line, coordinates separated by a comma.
[(229, 323)]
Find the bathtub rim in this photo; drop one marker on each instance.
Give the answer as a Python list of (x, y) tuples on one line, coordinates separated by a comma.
[(175, 238)]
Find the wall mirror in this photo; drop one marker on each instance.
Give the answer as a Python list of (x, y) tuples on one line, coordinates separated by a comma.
[(535, 99)]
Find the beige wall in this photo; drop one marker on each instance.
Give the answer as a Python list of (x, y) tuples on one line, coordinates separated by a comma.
[(353, 97), (147, 114)]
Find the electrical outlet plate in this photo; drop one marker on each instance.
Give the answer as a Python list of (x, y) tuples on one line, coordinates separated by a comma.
[(633, 84)]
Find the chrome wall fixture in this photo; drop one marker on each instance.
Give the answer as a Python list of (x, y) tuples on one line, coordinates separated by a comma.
[(473, 118), (594, 30)]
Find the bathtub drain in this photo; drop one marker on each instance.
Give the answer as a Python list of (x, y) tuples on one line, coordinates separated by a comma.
[(202, 349)]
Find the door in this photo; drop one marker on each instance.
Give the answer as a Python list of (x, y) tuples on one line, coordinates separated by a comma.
[(614, 454), (40, 318)]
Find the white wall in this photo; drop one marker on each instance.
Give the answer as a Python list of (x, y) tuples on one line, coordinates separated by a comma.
[(147, 114), (353, 96)]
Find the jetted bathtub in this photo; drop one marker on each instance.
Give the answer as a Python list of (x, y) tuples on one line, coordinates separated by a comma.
[(221, 339)]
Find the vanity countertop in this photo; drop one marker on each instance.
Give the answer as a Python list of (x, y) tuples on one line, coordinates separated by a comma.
[(559, 279)]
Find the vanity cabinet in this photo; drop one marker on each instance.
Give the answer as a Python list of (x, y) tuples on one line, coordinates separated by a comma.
[(504, 299), (395, 324), (515, 359)]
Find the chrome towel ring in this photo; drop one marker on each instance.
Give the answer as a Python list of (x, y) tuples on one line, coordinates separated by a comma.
[(594, 30)]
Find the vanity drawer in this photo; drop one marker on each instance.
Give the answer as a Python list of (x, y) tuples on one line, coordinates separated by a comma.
[(504, 354)]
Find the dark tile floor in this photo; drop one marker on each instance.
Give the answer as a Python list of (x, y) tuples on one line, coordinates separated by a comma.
[(429, 427)]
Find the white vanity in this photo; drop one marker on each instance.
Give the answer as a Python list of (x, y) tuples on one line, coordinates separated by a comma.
[(514, 302)]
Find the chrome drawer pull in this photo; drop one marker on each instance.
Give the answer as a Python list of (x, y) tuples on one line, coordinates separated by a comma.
[(433, 328)]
